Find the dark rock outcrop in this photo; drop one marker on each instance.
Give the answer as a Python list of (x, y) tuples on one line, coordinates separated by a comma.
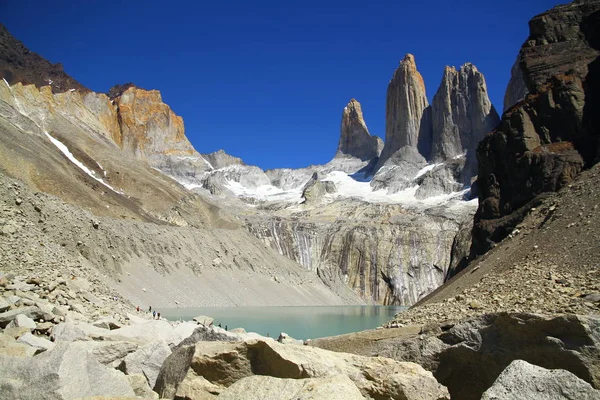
[(355, 139), (19, 64), (543, 142)]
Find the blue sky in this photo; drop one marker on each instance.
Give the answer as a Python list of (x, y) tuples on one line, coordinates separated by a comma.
[(267, 80)]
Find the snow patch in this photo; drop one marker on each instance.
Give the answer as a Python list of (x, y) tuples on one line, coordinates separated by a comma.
[(264, 192), (65, 150), (426, 169)]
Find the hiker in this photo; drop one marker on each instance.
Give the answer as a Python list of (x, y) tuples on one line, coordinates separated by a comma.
[(150, 309), (225, 327), (158, 316), (138, 308), (220, 325), (153, 314)]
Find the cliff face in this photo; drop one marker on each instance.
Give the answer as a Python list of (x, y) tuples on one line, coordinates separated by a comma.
[(516, 89), (544, 141), (355, 139), (405, 109), (386, 254), (462, 113)]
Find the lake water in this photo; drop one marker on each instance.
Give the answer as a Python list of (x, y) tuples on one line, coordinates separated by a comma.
[(298, 322)]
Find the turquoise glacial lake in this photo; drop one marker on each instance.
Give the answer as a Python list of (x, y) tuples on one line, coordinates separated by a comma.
[(298, 322)]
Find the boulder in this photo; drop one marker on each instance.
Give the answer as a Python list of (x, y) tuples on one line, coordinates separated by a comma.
[(32, 312), (204, 320), (482, 347), (197, 387), (4, 304), (107, 352), (147, 360), (140, 387), (212, 334), (67, 332), (337, 387), (10, 347), (107, 323), (65, 372), (287, 339), (521, 380), (36, 342), (223, 364), (22, 321)]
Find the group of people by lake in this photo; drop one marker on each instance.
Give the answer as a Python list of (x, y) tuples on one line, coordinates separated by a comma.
[(155, 315)]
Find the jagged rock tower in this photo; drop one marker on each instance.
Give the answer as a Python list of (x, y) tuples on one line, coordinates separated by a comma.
[(462, 113), (355, 139), (406, 117)]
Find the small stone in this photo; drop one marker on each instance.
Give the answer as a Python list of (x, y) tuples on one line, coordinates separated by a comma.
[(18, 201)]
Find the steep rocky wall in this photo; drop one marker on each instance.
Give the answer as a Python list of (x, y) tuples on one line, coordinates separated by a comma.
[(406, 103), (395, 261), (544, 141)]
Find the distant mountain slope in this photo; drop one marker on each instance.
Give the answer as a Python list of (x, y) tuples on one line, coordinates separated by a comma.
[(19, 64)]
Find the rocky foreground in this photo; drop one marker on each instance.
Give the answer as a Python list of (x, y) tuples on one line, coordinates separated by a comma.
[(54, 347)]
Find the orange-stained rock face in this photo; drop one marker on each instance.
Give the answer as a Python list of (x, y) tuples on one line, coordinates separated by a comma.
[(149, 127)]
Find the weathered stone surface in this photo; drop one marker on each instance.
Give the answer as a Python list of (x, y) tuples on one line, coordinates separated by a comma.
[(140, 387), (355, 139), (315, 189), (147, 360), (461, 246), (225, 363), (482, 347), (204, 320), (441, 180), (35, 341), (462, 113), (337, 387), (405, 108), (556, 44), (30, 312), (62, 373), (4, 304), (220, 159), (106, 352), (67, 332), (544, 142), (398, 172), (10, 347), (22, 321), (516, 90), (521, 380)]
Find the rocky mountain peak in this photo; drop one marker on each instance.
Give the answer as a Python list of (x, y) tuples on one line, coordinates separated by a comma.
[(355, 139), (19, 64), (406, 107), (461, 111)]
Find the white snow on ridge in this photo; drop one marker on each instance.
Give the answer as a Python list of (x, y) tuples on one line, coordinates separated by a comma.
[(264, 192), (65, 150), (426, 169)]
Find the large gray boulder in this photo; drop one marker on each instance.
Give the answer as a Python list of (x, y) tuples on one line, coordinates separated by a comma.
[(147, 360), (67, 332), (482, 347), (66, 372), (223, 364), (521, 380), (107, 352), (32, 312), (338, 387)]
